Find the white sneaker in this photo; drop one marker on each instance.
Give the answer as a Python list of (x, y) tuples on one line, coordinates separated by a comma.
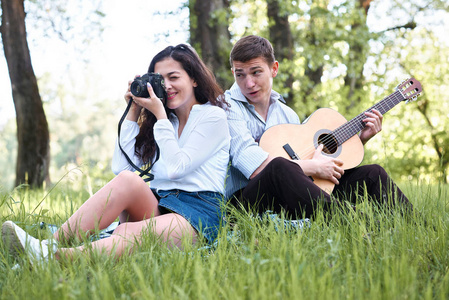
[(21, 242)]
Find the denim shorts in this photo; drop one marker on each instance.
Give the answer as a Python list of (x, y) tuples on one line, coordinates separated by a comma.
[(201, 209)]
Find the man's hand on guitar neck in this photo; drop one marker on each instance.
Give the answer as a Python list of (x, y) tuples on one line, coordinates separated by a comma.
[(373, 125)]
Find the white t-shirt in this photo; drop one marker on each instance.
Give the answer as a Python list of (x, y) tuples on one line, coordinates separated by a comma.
[(195, 161)]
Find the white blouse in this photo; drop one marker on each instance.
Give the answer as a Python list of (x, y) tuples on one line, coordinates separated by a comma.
[(195, 161)]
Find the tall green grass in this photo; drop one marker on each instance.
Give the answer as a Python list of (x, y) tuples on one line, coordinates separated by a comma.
[(374, 255)]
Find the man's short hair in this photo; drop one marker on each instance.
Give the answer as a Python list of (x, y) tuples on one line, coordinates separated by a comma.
[(250, 47)]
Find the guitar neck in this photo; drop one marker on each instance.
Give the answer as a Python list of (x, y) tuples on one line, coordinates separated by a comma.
[(351, 128)]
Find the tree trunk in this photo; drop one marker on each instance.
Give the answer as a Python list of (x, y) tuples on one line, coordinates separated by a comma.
[(354, 79), (33, 153), (313, 74), (282, 40), (209, 35)]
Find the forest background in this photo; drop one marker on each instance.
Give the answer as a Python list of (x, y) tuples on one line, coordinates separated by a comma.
[(346, 55)]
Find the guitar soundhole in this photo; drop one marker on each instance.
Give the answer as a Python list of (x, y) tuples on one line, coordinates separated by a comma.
[(329, 142)]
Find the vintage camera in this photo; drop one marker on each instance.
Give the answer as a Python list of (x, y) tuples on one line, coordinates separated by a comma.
[(139, 86)]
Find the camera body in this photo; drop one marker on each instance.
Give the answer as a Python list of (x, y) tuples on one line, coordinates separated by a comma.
[(139, 86)]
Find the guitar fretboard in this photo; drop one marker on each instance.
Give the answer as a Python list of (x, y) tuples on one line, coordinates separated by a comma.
[(349, 129)]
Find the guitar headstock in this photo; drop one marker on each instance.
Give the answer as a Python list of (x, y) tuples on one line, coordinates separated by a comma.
[(410, 89)]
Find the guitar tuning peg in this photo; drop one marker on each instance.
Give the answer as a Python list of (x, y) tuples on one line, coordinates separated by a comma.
[(402, 83), (412, 98)]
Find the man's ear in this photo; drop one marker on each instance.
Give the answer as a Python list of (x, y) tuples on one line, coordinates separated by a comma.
[(275, 69)]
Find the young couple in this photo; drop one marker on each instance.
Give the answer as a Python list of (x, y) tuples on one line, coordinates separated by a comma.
[(198, 132)]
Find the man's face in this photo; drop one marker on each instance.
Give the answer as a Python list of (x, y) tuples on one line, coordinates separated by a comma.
[(255, 79)]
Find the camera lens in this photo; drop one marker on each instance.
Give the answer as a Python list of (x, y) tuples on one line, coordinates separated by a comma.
[(138, 89)]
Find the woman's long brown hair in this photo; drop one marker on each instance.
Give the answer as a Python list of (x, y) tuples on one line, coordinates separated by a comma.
[(207, 90)]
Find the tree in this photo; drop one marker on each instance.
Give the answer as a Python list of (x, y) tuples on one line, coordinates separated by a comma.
[(210, 36), (33, 153), (52, 17), (424, 150), (358, 37), (282, 39)]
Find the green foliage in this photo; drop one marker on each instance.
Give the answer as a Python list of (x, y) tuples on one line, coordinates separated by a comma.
[(414, 136), (377, 255), (60, 18), (376, 51), (83, 130), (249, 17), (395, 41)]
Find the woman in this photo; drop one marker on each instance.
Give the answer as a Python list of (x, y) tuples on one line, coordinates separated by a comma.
[(192, 135)]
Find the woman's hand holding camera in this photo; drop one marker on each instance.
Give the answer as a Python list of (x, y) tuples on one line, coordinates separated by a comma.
[(135, 109), (153, 104)]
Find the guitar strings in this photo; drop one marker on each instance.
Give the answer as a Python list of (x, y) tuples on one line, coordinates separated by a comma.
[(331, 135), (356, 124), (383, 106), (340, 133)]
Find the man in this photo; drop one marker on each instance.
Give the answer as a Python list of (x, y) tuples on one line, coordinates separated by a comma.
[(272, 183)]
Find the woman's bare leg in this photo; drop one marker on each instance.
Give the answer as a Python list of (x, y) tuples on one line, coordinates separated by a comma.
[(172, 228), (126, 195)]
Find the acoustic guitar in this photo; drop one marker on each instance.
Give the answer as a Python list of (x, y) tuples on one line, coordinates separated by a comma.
[(328, 127)]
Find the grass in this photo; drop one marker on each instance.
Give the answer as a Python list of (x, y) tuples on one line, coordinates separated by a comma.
[(376, 255)]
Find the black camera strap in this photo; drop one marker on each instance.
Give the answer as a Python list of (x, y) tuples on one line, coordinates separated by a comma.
[(142, 172)]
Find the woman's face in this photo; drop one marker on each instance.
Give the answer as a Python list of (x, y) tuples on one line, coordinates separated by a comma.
[(178, 84)]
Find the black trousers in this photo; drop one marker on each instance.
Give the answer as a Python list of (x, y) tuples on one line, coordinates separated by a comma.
[(283, 186)]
